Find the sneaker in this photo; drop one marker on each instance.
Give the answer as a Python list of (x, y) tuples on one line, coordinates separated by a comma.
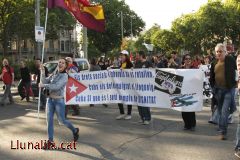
[(237, 152), (128, 117), (76, 135), (230, 119), (146, 122), (223, 137), (122, 116)]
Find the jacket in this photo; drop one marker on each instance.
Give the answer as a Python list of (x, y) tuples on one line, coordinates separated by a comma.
[(230, 68), (55, 84)]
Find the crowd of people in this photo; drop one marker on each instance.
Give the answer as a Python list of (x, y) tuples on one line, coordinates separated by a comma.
[(223, 80)]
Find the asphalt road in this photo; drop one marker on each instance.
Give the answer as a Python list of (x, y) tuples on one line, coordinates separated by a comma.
[(102, 137)]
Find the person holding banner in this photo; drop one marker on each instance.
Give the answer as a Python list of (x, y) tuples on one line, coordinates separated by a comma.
[(223, 82), (55, 103), (71, 69), (125, 64), (189, 118), (144, 112)]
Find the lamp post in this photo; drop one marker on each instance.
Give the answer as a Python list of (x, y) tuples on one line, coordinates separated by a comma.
[(37, 23)]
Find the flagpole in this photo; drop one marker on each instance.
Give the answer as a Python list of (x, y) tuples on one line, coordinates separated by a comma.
[(43, 51)]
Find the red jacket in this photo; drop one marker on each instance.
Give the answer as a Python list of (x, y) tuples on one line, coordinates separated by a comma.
[(7, 75)]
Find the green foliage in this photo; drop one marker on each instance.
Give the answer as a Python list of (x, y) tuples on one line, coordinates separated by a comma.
[(17, 21), (200, 31), (111, 38)]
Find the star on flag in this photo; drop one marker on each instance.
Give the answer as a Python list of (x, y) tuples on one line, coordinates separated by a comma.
[(73, 88)]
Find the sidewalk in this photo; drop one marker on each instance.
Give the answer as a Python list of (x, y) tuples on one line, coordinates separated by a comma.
[(104, 138)]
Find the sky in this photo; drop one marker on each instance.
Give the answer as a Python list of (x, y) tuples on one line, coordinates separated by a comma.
[(163, 12)]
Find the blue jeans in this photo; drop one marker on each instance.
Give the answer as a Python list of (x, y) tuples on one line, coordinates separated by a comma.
[(233, 106), (224, 101), (144, 113), (57, 105)]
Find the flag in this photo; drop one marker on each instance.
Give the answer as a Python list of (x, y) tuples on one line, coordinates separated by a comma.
[(57, 3), (73, 88), (91, 16), (84, 2)]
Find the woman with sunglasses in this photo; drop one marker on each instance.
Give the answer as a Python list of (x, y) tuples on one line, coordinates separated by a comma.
[(55, 103), (189, 118)]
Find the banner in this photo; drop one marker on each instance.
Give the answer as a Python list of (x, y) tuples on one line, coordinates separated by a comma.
[(207, 91), (179, 89)]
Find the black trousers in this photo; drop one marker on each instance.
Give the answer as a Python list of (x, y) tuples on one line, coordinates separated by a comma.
[(144, 113), (189, 119), (121, 109)]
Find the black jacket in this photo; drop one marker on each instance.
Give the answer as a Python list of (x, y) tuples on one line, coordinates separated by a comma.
[(230, 68)]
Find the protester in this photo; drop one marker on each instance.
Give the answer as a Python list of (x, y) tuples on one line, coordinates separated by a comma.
[(37, 76), (174, 61), (7, 76), (222, 79), (95, 67), (55, 103), (196, 62), (144, 112), (101, 63), (125, 64), (71, 69), (25, 83), (189, 118)]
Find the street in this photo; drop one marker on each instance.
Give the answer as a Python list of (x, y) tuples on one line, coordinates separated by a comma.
[(103, 137)]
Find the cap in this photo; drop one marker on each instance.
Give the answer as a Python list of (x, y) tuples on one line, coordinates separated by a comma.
[(124, 52)]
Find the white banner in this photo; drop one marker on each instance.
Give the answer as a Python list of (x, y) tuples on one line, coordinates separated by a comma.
[(207, 91), (179, 89)]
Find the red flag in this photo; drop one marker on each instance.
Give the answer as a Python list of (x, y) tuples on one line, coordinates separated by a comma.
[(91, 16), (84, 2), (73, 88)]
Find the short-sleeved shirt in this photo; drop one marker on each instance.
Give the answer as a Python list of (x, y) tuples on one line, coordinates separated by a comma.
[(7, 75)]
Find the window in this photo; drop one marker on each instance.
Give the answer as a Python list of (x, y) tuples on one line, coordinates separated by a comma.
[(62, 46), (51, 45), (67, 46)]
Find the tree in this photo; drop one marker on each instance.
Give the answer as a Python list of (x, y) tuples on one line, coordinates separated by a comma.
[(166, 40), (18, 21), (8, 8), (111, 38)]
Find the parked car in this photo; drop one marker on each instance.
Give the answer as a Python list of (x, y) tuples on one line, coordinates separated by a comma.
[(82, 64)]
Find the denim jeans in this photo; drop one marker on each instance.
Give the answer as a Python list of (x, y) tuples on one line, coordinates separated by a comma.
[(144, 113), (233, 106), (7, 94), (224, 101), (57, 105)]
